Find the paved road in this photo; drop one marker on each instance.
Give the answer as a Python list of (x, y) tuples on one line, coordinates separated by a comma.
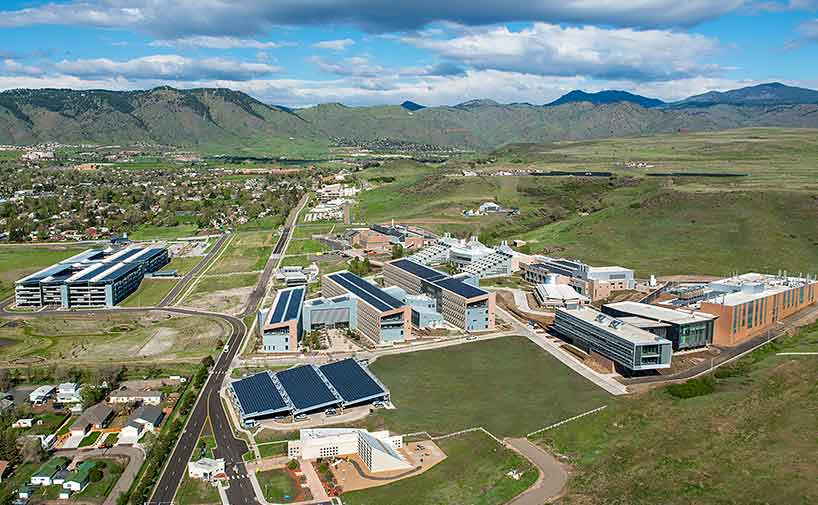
[(135, 459), (553, 476), (186, 281), (209, 405)]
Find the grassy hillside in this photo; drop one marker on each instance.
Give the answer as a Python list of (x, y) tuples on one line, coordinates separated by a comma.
[(751, 441), (657, 225)]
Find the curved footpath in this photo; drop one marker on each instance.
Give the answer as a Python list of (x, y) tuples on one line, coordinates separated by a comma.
[(135, 459), (553, 475)]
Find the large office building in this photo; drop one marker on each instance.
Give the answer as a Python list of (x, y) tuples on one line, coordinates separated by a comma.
[(631, 348), (462, 304), (378, 450), (468, 256), (281, 325), (306, 389), (596, 283), (379, 316), (93, 278), (685, 329), (750, 304)]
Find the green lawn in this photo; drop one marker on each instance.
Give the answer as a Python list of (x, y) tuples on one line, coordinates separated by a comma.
[(90, 439), (148, 232), (247, 252), (196, 492), (17, 261), (98, 491), (473, 473), (751, 441), (304, 246), (205, 447), (295, 261), (270, 450), (277, 486), (488, 383), (213, 283), (150, 293), (183, 264)]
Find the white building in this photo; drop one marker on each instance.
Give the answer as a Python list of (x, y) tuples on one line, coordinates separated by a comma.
[(69, 392), (378, 450), (206, 469), (552, 296), (132, 396), (41, 394)]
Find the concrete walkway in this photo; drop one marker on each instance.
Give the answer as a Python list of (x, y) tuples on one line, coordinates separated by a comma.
[(521, 300), (553, 475), (316, 488), (606, 382)]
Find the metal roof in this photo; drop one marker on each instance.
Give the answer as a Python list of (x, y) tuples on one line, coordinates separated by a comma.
[(367, 292)]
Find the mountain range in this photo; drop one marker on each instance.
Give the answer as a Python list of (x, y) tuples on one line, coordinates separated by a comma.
[(223, 117)]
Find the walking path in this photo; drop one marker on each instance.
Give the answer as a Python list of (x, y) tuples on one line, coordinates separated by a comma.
[(316, 488), (553, 475), (521, 300)]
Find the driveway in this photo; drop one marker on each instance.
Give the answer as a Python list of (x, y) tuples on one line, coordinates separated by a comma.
[(135, 459), (553, 475)]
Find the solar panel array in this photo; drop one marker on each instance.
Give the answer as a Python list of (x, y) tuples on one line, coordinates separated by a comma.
[(461, 288), (369, 293), (352, 381), (257, 395), (307, 388), (439, 278), (424, 272), (287, 305)]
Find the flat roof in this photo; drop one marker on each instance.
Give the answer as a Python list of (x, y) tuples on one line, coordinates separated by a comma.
[(287, 305), (460, 288), (352, 381), (52, 271), (644, 323), (614, 326), (422, 271), (306, 388), (438, 278), (367, 292), (661, 313), (258, 395)]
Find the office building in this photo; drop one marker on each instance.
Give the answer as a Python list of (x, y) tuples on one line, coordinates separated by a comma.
[(750, 304), (461, 303), (280, 326), (93, 278), (379, 316), (685, 329), (378, 450), (596, 283), (552, 296), (632, 349)]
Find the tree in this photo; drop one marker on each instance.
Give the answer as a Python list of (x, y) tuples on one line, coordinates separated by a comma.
[(95, 474), (292, 464), (5, 380), (32, 451), (207, 361), (397, 251)]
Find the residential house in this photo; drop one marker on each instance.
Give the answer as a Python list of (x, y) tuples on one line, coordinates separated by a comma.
[(44, 475)]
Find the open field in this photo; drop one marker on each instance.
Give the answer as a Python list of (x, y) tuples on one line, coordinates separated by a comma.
[(19, 261), (750, 441), (474, 473), (150, 293), (493, 382), (183, 264), (305, 246), (247, 252), (148, 232), (656, 225), (277, 485), (111, 338), (196, 492)]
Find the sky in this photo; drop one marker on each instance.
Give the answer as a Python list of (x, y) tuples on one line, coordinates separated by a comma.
[(434, 52)]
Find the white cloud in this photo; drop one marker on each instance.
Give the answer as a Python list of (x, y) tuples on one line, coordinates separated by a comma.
[(171, 19), (12, 67), (210, 42), (171, 67), (546, 49), (334, 45)]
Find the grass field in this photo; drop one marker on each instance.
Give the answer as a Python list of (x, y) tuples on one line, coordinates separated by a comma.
[(213, 283), (110, 338), (18, 261), (183, 264), (493, 382), (473, 473), (196, 492), (247, 252), (148, 232), (752, 441), (277, 485), (306, 246), (656, 225), (98, 491), (90, 439), (150, 293)]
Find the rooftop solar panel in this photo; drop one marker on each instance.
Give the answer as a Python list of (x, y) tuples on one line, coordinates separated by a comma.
[(461, 288), (294, 307), (115, 272), (352, 381), (257, 395), (306, 389), (36, 277), (87, 273), (277, 313), (369, 293), (424, 272), (123, 254)]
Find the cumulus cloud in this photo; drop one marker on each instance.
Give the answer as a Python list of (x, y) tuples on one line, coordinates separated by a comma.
[(362, 66), (171, 67), (172, 19), (334, 45), (547, 49), (12, 67), (210, 42)]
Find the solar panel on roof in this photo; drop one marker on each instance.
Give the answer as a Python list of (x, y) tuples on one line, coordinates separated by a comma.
[(281, 305), (419, 270), (306, 389), (351, 381), (257, 395), (294, 308), (461, 288), (369, 293)]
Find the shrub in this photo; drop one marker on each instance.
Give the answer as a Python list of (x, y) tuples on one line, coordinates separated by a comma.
[(95, 475), (693, 388), (292, 464)]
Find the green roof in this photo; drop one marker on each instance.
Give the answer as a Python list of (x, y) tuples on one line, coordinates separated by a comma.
[(50, 467), (80, 474)]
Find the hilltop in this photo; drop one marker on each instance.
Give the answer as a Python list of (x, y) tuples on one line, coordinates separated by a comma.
[(230, 119)]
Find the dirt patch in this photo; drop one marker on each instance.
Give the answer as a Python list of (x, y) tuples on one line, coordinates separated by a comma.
[(230, 301), (161, 342)]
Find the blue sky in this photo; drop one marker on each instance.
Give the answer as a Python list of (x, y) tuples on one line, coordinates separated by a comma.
[(362, 52)]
